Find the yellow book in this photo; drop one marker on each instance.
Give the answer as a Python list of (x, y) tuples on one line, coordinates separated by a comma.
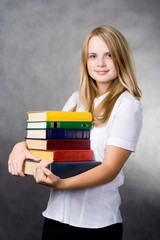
[(42, 154), (59, 116)]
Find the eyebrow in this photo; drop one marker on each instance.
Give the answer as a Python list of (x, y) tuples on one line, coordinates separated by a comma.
[(96, 53)]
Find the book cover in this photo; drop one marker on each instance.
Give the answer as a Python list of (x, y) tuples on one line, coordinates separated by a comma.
[(63, 169), (59, 124), (64, 155), (59, 133), (58, 144), (69, 169), (59, 116)]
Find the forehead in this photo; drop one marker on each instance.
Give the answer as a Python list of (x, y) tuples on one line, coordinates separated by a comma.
[(96, 43)]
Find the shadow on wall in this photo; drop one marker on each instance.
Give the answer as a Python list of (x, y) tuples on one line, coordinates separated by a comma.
[(140, 211)]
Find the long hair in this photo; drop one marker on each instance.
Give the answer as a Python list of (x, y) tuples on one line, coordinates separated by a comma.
[(126, 79)]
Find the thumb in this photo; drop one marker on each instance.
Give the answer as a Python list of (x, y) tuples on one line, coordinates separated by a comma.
[(33, 157)]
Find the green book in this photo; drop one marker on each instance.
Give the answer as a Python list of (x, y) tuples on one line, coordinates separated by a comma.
[(58, 124)]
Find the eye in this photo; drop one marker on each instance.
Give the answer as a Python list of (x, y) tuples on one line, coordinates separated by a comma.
[(108, 55), (92, 56)]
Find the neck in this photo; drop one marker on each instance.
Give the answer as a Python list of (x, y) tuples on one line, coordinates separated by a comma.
[(102, 89)]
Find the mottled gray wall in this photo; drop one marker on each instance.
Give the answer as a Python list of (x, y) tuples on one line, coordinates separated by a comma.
[(40, 47)]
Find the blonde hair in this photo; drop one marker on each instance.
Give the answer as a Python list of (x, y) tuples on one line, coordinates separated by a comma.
[(126, 79)]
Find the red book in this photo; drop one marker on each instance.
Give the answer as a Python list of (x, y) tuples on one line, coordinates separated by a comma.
[(64, 155), (59, 144)]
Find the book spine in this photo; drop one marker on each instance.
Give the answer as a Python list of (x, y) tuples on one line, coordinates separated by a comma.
[(73, 155), (42, 154), (69, 125), (67, 133), (68, 116), (58, 144), (75, 144)]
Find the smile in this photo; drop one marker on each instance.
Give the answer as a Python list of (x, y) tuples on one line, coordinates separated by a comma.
[(102, 72)]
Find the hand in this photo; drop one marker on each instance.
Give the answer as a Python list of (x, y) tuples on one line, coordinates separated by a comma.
[(17, 157), (44, 176)]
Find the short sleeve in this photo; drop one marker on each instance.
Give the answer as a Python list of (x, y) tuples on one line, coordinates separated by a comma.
[(126, 125), (71, 102)]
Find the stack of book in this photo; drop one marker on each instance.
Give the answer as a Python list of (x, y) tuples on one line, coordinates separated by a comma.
[(63, 137)]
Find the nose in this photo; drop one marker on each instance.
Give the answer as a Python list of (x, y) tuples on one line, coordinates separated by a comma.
[(101, 62)]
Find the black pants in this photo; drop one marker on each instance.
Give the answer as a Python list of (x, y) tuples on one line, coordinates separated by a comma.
[(54, 230)]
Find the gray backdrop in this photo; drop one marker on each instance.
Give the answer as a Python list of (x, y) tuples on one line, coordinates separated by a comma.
[(40, 48)]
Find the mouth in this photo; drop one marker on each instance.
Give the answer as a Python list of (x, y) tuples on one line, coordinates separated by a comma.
[(101, 72)]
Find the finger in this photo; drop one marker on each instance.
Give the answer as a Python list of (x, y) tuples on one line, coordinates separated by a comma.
[(11, 169), (31, 156), (47, 171), (37, 171), (46, 162), (39, 175), (48, 177), (10, 165), (20, 169), (50, 180), (17, 168), (16, 159), (43, 164)]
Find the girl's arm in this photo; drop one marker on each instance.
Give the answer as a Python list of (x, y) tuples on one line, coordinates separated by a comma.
[(115, 158), (16, 158)]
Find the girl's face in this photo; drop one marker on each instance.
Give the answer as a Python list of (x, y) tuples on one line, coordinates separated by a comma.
[(100, 65)]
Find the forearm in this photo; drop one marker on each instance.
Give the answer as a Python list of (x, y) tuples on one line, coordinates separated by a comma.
[(96, 176), (106, 172)]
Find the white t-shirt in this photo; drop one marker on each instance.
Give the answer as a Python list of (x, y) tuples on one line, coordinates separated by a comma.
[(98, 206)]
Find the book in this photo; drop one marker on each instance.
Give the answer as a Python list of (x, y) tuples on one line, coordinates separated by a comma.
[(59, 124), (64, 155), (29, 165), (58, 144), (58, 133), (59, 116), (63, 169)]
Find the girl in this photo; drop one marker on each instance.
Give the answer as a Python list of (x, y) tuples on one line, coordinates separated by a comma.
[(87, 205)]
